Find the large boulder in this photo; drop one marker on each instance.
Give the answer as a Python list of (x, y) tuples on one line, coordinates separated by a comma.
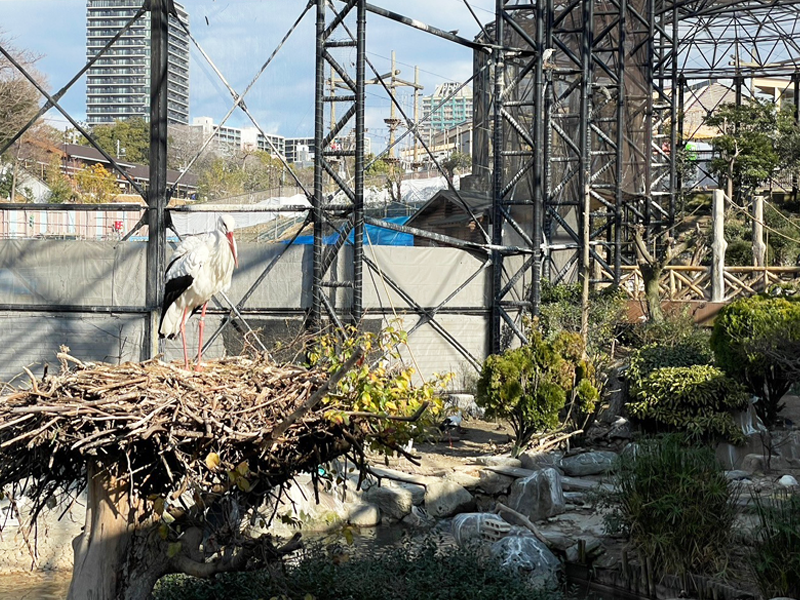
[(395, 502), (534, 460), (588, 463), (539, 495), (362, 514), (494, 483), (530, 558), (444, 498)]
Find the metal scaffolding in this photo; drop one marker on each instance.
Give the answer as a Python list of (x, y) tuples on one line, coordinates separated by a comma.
[(578, 124)]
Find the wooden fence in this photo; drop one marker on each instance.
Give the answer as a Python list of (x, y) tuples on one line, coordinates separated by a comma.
[(686, 283)]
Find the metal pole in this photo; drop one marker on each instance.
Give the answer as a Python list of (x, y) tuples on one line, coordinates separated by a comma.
[(358, 212), (157, 190), (315, 320), (538, 171), (584, 175), (497, 179), (620, 140)]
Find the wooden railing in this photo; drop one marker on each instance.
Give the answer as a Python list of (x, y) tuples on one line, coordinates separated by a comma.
[(684, 283)]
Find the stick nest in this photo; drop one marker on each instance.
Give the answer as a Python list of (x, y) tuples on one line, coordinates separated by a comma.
[(243, 422)]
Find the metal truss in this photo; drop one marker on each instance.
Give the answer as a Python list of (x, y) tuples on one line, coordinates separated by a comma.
[(578, 125)]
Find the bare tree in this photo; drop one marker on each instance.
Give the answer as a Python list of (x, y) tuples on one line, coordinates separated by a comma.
[(19, 102)]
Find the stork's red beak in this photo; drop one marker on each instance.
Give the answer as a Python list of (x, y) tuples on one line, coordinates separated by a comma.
[(232, 244)]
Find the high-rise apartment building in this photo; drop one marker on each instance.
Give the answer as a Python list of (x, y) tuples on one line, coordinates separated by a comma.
[(455, 111), (118, 85)]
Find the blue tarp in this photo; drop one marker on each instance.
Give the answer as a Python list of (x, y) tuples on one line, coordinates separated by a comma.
[(377, 236)]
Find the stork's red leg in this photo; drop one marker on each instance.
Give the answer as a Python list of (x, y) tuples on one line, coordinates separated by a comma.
[(197, 367), (183, 337)]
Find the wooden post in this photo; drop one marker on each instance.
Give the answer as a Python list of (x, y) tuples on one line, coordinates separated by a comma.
[(718, 247), (759, 247)]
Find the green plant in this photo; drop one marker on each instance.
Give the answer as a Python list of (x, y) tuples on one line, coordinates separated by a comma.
[(674, 504), (775, 555), (689, 351), (697, 400), (560, 311), (747, 334), (529, 385), (409, 571), (677, 327)]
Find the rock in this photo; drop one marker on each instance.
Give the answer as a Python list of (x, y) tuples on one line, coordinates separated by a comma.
[(588, 463), (395, 502), (737, 475), (605, 561), (417, 492), (418, 518), (539, 495), (787, 481), (444, 498), (465, 403), (540, 460), (620, 429), (463, 479), (530, 558), (575, 484), (613, 398), (557, 540), (592, 547), (576, 498), (483, 526), (362, 514), (755, 463), (498, 461), (494, 483)]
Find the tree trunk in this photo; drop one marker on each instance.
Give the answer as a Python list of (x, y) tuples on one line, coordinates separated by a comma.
[(651, 274), (119, 555)]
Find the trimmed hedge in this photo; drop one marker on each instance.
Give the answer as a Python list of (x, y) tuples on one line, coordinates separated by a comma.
[(697, 399)]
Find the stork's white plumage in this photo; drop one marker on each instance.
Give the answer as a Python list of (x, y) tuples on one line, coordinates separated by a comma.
[(200, 267)]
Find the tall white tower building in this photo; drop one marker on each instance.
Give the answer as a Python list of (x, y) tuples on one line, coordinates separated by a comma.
[(118, 85)]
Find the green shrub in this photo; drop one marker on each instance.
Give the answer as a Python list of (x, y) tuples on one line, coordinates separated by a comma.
[(678, 327), (775, 556), (685, 353), (747, 336), (674, 503), (529, 386), (405, 572), (560, 311), (697, 400)]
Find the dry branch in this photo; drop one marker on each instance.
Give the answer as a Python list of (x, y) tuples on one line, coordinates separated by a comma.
[(245, 422)]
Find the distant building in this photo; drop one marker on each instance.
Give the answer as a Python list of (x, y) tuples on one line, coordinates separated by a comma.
[(453, 112), (300, 150), (118, 85), (233, 139)]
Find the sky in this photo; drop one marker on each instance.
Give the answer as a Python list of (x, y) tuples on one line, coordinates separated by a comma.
[(239, 36)]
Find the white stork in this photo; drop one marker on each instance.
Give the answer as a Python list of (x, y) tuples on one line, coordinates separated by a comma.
[(200, 267)]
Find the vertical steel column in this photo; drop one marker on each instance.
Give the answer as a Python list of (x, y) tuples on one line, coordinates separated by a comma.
[(358, 208), (497, 175), (674, 140), (315, 319), (622, 105), (157, 190), (647, 209), (546, 115), (539, 164), (585, 172), (796, 99)]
